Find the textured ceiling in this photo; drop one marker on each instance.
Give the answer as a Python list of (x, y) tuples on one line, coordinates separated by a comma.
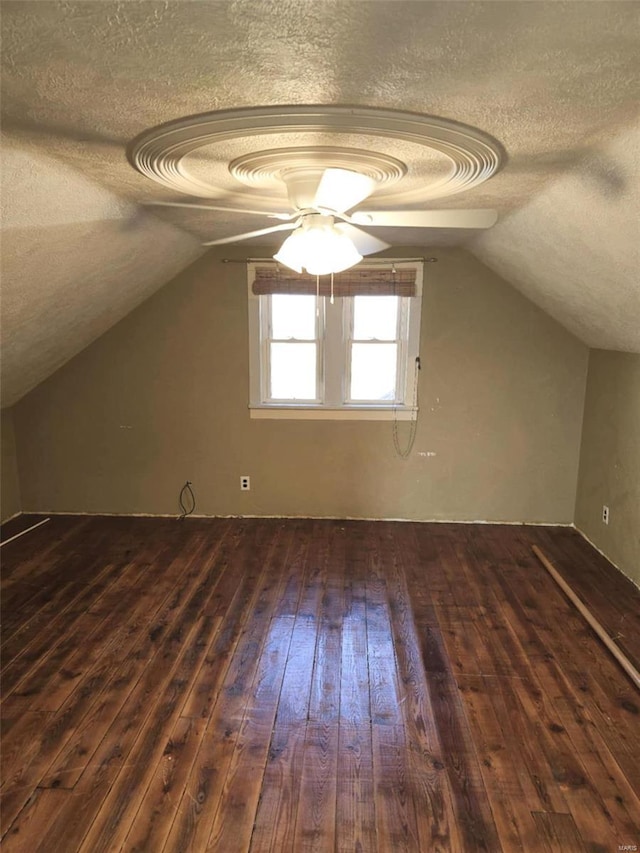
[(556, 83), (75, 260), (574, 248)]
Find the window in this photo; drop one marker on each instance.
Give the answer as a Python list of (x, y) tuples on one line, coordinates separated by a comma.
[(291, 336), (375, 334), (354, 358)]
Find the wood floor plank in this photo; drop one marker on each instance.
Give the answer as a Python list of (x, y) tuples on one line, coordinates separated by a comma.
[(538, 703), (316, 818), (324, 703), (196, 820), (201, 621), (20, 744), (449, 732), (118, 671), (233, 825), (73, 822), (52, 741), (354, 818), (120, 804), (152, 823), (276, 813), (29, 630), (25, 835), (501, 646), (559, 832), (582, 569), (355, 794), (18, 524), (24, 558), (572, 757), (561, 774), (396, 824), (385, 692), (50, 672), (591, 674), (510, 797), (25, 596), (474, 819), (275, 821), (618, 793), (423, 768), (279, 685), (315, 826), (236, 597)]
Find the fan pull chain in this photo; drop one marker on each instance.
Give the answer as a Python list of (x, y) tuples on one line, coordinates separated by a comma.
[(317, 296), (332, 288)]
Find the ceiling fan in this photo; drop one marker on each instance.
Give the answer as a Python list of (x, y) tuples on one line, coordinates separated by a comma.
[(326, 238)]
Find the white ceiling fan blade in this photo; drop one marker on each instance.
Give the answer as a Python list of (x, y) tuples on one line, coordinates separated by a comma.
[(342, 189), (284, 216), (287, 226), (365, 243), (427, 218)]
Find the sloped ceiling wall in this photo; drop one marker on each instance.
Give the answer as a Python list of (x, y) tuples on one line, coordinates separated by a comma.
[(75, 260), (553, 82), (574, 249)]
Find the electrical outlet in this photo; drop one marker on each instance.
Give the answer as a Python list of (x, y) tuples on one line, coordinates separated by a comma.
[(605, 514), (245, 484)]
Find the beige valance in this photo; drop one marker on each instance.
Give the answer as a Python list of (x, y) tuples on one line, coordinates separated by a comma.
[(353, 282)]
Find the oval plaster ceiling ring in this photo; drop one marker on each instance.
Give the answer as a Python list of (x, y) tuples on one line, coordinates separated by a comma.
[(159, 153), (264, 167), (163, 161)]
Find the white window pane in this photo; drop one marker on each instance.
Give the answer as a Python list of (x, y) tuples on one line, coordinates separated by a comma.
[(373, 371), (293, 372), (375, 317), (293, 317)]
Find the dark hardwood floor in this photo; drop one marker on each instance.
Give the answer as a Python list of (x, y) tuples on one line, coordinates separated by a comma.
[(269, 685)]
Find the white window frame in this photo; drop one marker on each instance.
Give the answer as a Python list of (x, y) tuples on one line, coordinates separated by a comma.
[(266, 339), (333, 330), (401, 340)]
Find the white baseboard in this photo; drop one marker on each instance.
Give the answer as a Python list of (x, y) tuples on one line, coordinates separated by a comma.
[(337, 518), (311, 517)]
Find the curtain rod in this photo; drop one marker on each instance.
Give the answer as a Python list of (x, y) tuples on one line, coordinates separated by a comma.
[(380, 262)]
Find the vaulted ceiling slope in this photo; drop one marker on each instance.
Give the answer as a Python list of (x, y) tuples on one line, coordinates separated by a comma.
[(555, 83), (75, 259), (574, 248)]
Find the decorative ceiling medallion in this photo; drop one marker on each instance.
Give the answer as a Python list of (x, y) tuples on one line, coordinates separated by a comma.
[(162, 153), (268, 168)]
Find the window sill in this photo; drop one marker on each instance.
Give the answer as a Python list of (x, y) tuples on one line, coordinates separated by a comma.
[(320, 413)]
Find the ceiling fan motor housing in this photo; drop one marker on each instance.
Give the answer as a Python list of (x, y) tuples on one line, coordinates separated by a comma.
[(302, 185)]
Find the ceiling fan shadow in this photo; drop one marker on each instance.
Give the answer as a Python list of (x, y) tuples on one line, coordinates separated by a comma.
[(594, 166), (34, 129)]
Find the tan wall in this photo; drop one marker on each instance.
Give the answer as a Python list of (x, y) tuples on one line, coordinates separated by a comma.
[(162, 398), (610, 458), (10, 502)]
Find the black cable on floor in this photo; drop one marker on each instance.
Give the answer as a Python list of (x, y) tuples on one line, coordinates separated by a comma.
[(186, 488)]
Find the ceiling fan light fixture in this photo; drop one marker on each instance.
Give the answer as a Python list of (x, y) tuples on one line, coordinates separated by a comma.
[(318, 247), (291, 253)]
